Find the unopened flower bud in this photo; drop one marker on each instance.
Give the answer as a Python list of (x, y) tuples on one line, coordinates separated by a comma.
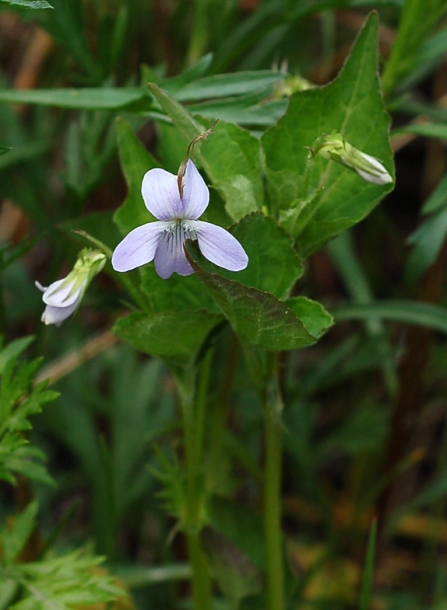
[(63, 297), (337, 149)]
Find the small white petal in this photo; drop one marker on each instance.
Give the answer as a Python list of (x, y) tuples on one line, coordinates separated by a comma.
[(161, 195), (196, 195), (379, 178), (62, 293), (138, 247), (56, 315), (219, 246)]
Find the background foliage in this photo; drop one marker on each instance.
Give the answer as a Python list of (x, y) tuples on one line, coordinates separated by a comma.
[(94, 471)]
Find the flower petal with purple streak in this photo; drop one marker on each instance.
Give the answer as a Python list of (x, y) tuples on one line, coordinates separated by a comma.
[(170, 257), (138, 247), (161, 195), (219, 246), (196, 195)]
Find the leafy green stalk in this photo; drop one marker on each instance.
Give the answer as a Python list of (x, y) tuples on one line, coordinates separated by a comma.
[(193, 410), (272, 496), (263, 366)]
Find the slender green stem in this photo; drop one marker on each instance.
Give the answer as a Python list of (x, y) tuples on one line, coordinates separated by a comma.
[(201, 580), (264, 368), (133, 291), (193, 405), (272, 499)]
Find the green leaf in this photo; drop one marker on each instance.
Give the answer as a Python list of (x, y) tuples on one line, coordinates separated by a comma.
[(35, 4), (224, 85), (183, 121), (427, 242), (405, 312), (4, 149), (240, 111), (14, 539), (274, 267), (368, 574), (257, 317), (175, 337), (177, 293), (351, 105), (190, 75), (106, 98), (135, 162), (231, 158)]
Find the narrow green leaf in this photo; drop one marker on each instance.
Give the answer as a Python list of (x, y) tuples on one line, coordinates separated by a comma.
[(225, 85), (427, 130), (368, 573), (405, 312), (190, 75), (417, 21), (107, 98), (427, 242), (34, 4), (181, 118), (237, 111), (4, 149)]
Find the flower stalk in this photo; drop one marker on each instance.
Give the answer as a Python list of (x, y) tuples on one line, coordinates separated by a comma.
[(272, 497), (193, 403)]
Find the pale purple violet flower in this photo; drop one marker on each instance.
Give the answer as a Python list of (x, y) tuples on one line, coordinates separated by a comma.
[(177, 210)]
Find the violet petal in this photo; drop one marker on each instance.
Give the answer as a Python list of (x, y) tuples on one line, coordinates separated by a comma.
[(170, 256), (56, 315), (161, 195), (61, 293), (138, 247), (196, 195), (219, 246)]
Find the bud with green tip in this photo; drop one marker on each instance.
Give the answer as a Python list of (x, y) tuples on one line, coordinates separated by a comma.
[(337, 149), (63, 297)]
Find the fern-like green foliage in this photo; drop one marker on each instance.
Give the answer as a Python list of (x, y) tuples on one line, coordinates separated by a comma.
[(18, 401), (52, 582)]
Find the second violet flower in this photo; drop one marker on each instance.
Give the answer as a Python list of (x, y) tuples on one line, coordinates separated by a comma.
[(177, 202)]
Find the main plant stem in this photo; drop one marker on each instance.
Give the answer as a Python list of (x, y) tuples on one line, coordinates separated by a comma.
[(272, 498), (193, 404), (264, 369)]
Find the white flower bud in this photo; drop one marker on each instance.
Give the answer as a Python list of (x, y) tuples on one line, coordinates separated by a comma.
[(337, 149), (63, 297)]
